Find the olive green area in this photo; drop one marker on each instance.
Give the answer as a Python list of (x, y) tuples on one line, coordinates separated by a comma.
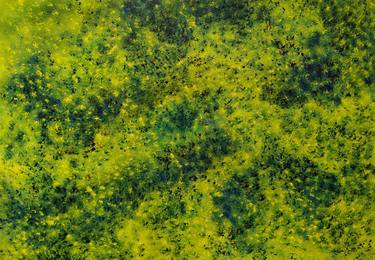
[(168, 129)]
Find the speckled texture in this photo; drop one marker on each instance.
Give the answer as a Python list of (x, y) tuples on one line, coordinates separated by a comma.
[(170, 129)]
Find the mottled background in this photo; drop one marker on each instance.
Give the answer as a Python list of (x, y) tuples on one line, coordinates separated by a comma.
[(186, 129)]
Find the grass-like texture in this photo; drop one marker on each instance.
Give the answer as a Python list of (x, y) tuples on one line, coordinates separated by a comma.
[(187, 129)]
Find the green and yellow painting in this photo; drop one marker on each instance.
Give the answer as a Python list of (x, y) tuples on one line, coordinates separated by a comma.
[(187, 129)]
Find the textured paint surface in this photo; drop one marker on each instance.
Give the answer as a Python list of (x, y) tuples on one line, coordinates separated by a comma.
[(170, 129)]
